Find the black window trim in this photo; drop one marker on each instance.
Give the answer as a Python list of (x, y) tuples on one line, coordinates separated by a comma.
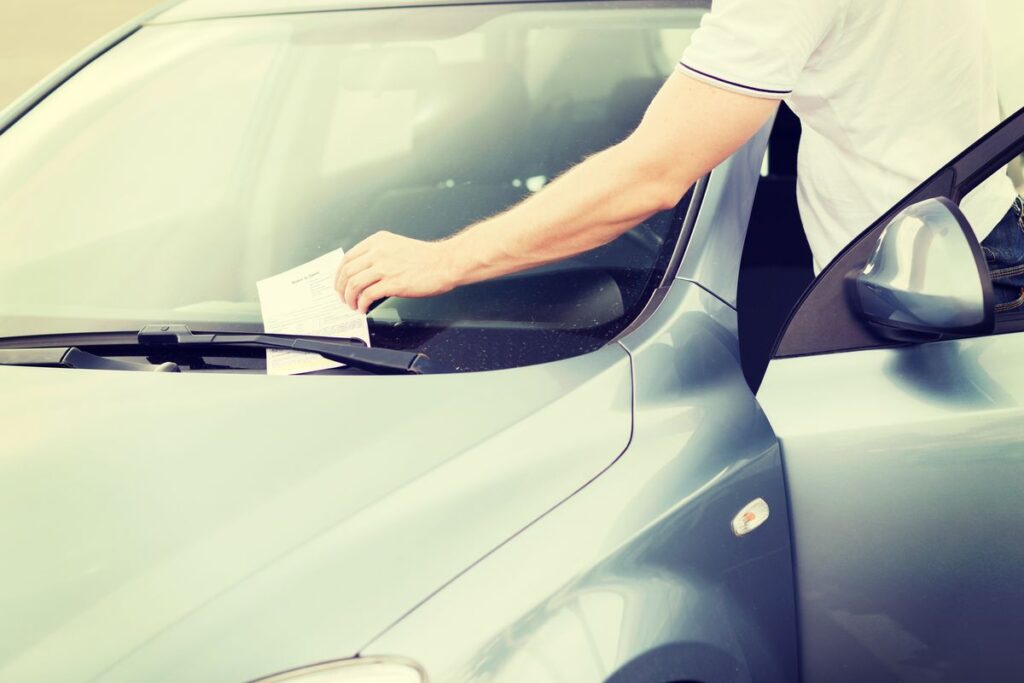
[(684, 220)]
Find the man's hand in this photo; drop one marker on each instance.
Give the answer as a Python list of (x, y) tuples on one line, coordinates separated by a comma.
[(689, 128), (386, 264)]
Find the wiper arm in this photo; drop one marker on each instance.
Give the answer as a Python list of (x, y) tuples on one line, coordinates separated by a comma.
[(353, 352)]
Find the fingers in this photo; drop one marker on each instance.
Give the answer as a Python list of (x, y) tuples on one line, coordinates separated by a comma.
[(356, 259), (369, 243), (362, 247), (349, 267), (357, 283), (378, 290)]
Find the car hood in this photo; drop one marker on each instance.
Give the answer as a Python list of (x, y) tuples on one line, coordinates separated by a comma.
[(223, 527)]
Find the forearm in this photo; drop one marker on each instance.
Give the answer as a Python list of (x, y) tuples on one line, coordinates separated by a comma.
[(590, 205)]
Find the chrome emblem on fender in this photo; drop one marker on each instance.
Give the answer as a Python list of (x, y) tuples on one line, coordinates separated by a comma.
[(753, 515)]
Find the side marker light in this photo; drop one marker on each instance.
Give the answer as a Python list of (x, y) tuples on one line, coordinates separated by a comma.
[(753, 515)]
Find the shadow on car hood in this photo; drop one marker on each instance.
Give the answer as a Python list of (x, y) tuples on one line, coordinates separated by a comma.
[(222, 527)]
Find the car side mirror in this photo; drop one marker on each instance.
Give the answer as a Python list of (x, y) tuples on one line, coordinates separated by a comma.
[(926, 279)]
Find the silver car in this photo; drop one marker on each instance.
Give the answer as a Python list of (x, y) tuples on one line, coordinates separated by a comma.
[(604, 470)]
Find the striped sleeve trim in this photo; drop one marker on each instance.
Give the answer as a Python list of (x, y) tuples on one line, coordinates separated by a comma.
[(733, 84)]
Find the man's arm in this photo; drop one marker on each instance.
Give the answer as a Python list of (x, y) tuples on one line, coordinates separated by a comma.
[(689, 129)]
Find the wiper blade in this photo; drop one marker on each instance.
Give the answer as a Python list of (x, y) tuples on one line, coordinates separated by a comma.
[(74, 357), (352, 352)]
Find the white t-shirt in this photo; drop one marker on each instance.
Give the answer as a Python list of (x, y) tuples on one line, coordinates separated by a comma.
[(888, 92)]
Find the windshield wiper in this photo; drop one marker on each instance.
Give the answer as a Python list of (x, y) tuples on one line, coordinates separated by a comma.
[(66, 350), (74, 357), (352, 352)]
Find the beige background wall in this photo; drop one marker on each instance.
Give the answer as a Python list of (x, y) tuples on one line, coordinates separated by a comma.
[(36, 36)]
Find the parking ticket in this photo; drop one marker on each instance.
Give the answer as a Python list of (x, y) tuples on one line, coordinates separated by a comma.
[(303, 301)]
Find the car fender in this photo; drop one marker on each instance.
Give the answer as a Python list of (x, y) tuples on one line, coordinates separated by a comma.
[(640, 565)]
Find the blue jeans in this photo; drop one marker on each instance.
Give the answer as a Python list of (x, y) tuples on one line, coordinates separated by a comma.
[(1004, 252)]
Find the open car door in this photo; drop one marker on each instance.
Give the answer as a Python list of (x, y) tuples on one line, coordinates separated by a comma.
[(905, 468)]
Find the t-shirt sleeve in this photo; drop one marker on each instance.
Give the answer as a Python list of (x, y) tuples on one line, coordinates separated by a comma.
[(758, 47)]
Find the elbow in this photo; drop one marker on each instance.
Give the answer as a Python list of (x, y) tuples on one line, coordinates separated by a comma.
[(663, 191), (669, 179), (667, 196), (661, 179)]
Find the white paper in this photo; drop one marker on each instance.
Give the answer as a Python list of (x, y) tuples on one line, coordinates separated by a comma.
[(303, 301)]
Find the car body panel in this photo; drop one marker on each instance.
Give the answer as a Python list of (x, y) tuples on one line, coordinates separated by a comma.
[(905, 464), (905, 468), (160, 526), (638, 576)]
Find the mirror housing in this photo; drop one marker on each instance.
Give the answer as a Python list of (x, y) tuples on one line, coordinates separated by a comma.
[(927, 278)]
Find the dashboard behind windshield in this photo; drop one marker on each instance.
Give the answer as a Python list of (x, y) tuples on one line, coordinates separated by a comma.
[(191, 160)]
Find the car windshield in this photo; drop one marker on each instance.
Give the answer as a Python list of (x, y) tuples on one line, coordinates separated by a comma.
[(193, 159)]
